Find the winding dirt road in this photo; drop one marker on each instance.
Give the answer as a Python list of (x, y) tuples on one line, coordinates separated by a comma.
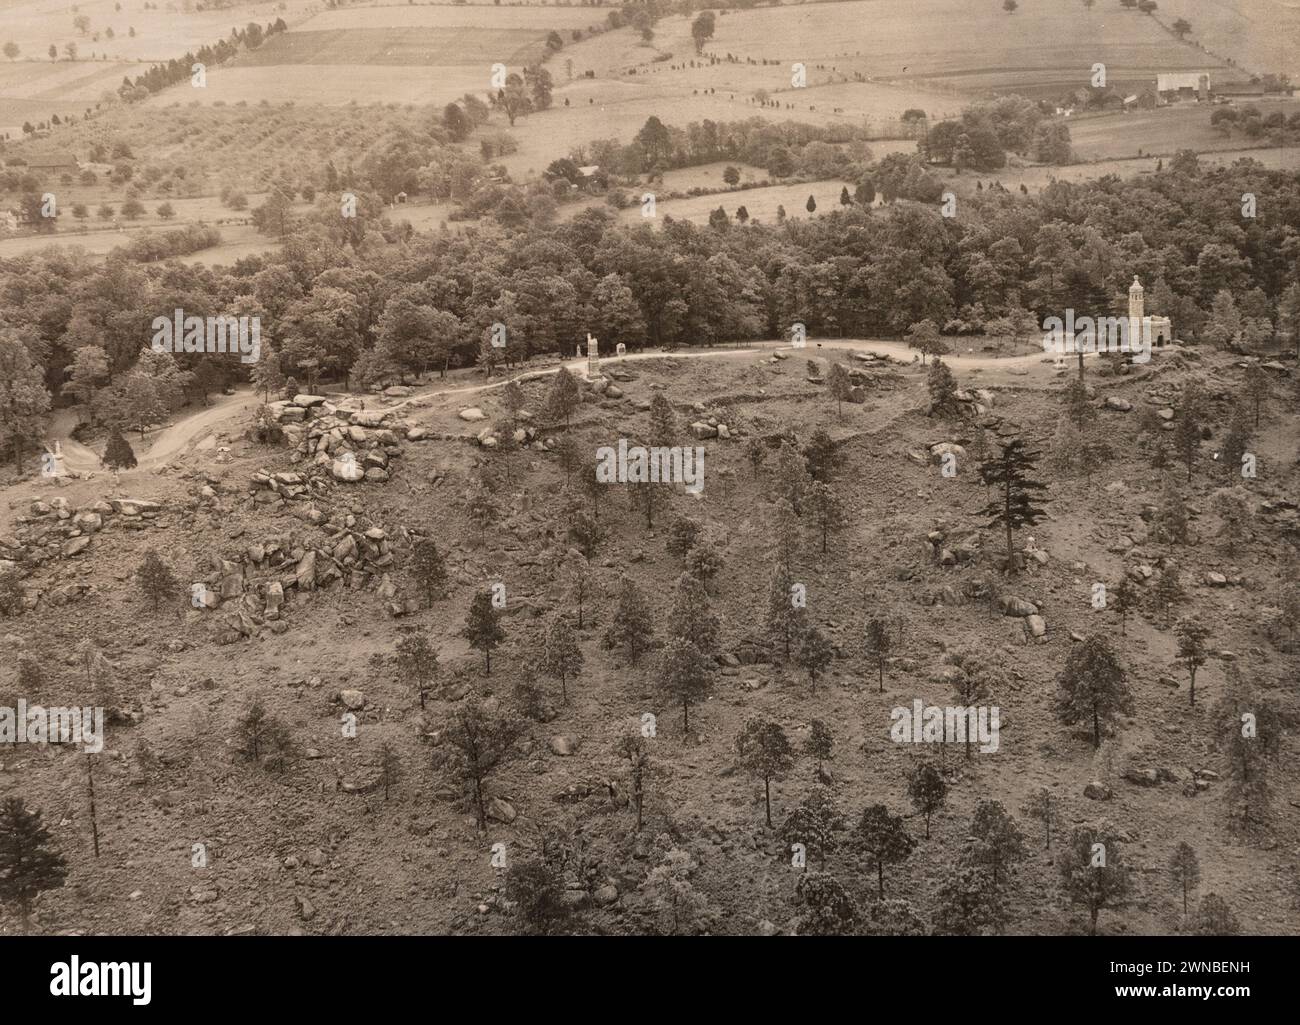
[(186, 435)]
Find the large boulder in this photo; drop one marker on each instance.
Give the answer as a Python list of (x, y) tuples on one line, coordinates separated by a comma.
[(472, 414), (1013, 606), (305, 575), (347, 468)]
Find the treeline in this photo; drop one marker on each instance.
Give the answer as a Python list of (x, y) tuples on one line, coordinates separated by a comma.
[(151, 247), (349, 296), (981, 138), (782, 149), (177, 70)]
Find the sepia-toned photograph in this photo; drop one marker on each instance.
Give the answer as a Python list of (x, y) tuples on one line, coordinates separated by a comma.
[(652, 469)]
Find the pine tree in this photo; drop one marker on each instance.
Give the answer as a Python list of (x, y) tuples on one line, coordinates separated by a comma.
[(764, 752), (1124, 599), (1009, 472), (478, 741), (682, 535), (390, 767), (118, 454), (266, 376), (1078, 407), (755, 453), (928, 790), (1187, 432), (1215, 918), (784, 619), (29, 864), (943, 389), (815, 654), (156, 580), (482, 629), (691, 619), (1185, 870), (577, 573), (1168, 593), (663, 422), (428, 571), (263, 739), (814, 823), (1092, 687), (704, 562), (819, 746), (839, 386), (998, 844), (417, 662), (1237, 442), (829, 909), (561, 656), (965, 905), (685, 674), (973, 680), (884, 840), (1257, 386), (821, 457), (825, 508), (1191, 649), (633, 749), (564, 397), (1093, 872), (630, 629), (879, 643)]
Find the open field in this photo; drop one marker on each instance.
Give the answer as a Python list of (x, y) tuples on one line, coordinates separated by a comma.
[(1036, 177), (1040, 49), (1260, 35), (1162, 130), (160, 34), (761, 203), (428, 48)]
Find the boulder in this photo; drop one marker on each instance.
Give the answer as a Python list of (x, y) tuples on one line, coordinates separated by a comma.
[(306, 401), (563, 745), (472, 414), (134, 506), (347, 468), (1097, 791), (352, 699), (701, 430), (76, 546), (1119, 405), (1142, 777), (501, 811), (1037, 626), (305, 575), (1013, 606)]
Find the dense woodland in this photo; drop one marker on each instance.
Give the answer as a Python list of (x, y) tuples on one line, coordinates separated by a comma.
[(358, 297)]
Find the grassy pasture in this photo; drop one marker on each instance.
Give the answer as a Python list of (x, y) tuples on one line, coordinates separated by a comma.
[(399, 46), (761, 203), (159, 34), (1163, 130), (971, 47)]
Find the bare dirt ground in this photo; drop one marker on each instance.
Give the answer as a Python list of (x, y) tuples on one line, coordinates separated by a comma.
[(318, 849)]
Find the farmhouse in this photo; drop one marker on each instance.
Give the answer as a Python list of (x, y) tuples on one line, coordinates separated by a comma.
[(53, 163), (1189, 85)]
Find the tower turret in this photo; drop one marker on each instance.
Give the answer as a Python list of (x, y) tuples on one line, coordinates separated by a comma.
[(1136, 300)]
